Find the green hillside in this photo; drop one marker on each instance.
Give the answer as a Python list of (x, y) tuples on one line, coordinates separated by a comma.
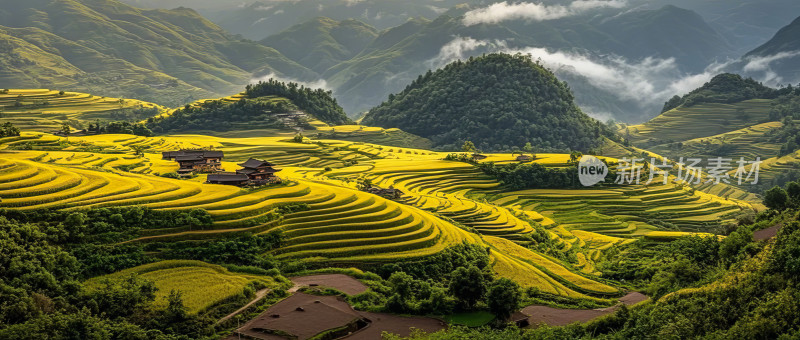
[(266, 105), (496, 101), (322, 42), (109, 48), (399, 54)]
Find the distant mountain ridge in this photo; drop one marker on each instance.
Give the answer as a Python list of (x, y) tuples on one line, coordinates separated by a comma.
[(781, 54), (110, 48)]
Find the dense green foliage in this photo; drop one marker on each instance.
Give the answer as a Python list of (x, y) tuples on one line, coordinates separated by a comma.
[(123, 127), (8, 130), (223, 116), (41, 265), (496, 101), (723, 88), (317, 102), (247, 250)]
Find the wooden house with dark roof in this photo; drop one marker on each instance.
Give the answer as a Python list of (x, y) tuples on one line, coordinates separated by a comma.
[(253, 172), (229, 178), (258, 171), (189, 161)]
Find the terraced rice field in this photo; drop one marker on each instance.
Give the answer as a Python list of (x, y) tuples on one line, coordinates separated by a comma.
[(202, 284), (45, 110), (444, 203), (749, 142), (698, 121)]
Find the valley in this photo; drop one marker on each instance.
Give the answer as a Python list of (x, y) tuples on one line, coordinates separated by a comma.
[(372, 169)]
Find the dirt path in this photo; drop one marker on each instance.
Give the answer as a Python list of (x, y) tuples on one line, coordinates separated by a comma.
[(259, 295)]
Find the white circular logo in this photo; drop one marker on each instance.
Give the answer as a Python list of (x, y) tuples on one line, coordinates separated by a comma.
[(591, 170)]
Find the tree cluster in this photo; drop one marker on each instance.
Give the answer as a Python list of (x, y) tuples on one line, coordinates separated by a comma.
[(317, 102), (8, 130), (121, 127), (496, 101), (219, 115), (724, 88)]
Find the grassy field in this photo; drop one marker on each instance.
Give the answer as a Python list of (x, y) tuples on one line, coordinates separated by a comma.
[(202, 285)]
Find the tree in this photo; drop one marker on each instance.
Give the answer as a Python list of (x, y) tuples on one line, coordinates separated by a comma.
[(298, 138), (793, 190), (8, 130), (468, 147), (574, 157), (65, 128), (528, 148), (776, 198), (468, 285), (503, 298), (138, 150), (176, 310)]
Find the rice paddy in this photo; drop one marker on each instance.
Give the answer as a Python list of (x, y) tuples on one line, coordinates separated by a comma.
[(202, 285), (45, 110), (444, 203)]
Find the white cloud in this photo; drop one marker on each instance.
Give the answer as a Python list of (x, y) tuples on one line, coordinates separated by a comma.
[(763, 65), (317, 84), (437, 10), (280, 11), (263, 8), (648, 83), (504, 11), (349, 3), (461, 48)]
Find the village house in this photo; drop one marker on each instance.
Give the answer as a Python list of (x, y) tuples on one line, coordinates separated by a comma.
[(258, 171), (253, 172), (191, 161)]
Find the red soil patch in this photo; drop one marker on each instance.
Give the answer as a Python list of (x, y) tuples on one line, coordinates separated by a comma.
[(633, 298), (340, 282), (559, 317), (304, 316), (765, 234), (400, 325), (301, 315)]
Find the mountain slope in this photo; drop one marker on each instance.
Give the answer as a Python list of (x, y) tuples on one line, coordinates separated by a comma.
[(107, 42), (393, 60), (780, 55), (322, 42), (496, 101)]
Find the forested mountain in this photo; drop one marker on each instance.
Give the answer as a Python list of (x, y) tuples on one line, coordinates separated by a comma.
[(322, 42), (780, 55), (266, 105), (395, 59), (110, 48), (497, 101)]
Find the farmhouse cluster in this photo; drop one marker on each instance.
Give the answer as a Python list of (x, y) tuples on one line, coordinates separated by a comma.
[(253, 171)]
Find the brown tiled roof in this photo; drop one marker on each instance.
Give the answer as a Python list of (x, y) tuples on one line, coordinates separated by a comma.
[(254, 163)]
